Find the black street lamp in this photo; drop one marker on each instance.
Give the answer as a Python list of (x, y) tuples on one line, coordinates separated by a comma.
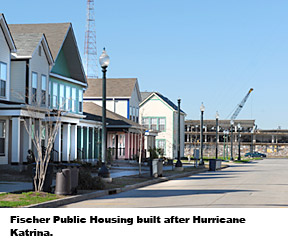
[(232, 124), (217, 118), (239, 141), (104, 62), (178, 163), (202, 109)]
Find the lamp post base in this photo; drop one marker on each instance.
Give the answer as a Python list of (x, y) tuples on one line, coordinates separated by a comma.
[(104, 171), (178, 164)]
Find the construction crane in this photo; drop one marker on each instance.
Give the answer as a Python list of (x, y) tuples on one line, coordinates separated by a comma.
[(240, 106)]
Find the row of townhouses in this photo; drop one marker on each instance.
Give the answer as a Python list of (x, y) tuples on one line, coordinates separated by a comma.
[(41, 72)]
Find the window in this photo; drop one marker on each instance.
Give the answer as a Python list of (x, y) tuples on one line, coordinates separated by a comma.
[(153, 124), (162, 123), (55, 95), (161, 144), (130, 115), (34, 86), (137, 115), (61, 97), (80, 101), (68, 98), (146, 122), (73, 99), (3, 79), (43, 92), (39, 50), (2, 138), (49, 94), (134, 113)]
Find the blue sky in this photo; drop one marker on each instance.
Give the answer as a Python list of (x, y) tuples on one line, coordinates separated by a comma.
[(200, 51)]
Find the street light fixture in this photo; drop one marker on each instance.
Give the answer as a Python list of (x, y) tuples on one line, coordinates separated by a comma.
[(232, 124), (178, 163), (216, 150), (202, 109), (239, 141), (104, 61)]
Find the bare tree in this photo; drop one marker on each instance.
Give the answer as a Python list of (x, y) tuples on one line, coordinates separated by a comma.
[(43, 154), (36, 113)]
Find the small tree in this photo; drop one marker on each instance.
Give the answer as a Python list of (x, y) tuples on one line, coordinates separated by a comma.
[(52, 121), (43, 154)]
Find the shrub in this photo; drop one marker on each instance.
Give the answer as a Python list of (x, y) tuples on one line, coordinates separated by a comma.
[(88, 182)]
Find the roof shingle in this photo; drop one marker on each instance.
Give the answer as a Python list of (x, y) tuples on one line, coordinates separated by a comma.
[(55, 33), (117, 87), (94, 112)]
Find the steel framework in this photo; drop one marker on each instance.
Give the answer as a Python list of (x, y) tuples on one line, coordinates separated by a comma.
[(90, 48)]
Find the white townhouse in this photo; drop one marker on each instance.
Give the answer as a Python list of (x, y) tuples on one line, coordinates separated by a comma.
[(158, 113), (122, 94), (7, 46)]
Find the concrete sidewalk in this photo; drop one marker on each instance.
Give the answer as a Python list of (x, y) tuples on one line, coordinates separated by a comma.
[(116, 171)]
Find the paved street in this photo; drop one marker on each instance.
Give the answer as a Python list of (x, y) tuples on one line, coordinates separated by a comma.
[(260, 184)]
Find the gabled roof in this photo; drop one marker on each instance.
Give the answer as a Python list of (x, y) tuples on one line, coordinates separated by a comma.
[(115, 87), (94, 112), (164, 98), (27, 44), (60, 37), (7, 33), (54, 32), (144, 95)]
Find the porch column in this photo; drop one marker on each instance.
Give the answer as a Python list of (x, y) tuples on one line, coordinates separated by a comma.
[(132, 146), (66, 142), (87, 149), (206, 134), (129, 146), (26, 138), (81, 142), (73, 142), (57, 144), (15, 156), (93, 143)]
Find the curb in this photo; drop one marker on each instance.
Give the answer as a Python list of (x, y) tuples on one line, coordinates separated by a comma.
[(101, 193)]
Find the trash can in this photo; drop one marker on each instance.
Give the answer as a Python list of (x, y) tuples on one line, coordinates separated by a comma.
[(212, 165), (218, 164), (154, 168), (63, 182), (160, 167), (74, 179)]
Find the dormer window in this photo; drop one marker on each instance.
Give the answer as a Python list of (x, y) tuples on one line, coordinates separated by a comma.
[(43, 92), (34, 87), (3, 79)]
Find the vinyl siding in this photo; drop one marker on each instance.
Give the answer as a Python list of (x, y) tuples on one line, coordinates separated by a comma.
[(4, 159), (18, 81), (61, 66), (39, 65)]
